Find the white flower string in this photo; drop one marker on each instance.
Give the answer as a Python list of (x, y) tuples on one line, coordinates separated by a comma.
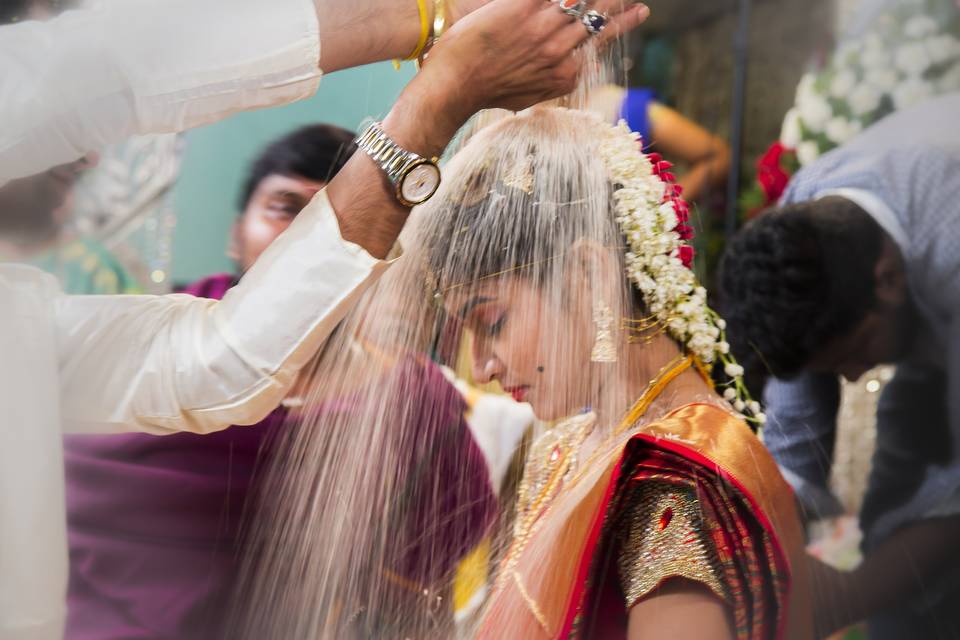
[(653, 218)]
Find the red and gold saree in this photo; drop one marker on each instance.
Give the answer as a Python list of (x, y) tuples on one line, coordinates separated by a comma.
[(633, 500)]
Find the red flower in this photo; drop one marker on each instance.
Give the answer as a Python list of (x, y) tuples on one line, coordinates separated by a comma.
[(685, 231), (672, 194), (686, 254), (772, 176)]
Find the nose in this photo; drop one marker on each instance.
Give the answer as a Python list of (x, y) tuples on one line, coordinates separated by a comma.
[(487, 369)]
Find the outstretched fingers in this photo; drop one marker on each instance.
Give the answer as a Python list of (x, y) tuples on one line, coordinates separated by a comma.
[(624, 18), (619, 18)]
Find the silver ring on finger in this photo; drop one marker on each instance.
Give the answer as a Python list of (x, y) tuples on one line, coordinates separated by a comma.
[(594, 21), (573, 8)]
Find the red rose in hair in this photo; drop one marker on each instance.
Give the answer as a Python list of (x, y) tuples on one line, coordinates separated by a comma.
[(673, 194), (686, 254)]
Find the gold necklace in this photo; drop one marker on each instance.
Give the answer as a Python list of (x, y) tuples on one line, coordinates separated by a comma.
[(546, 477)]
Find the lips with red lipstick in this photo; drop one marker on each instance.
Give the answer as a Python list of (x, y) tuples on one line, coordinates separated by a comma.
[(519, 393)]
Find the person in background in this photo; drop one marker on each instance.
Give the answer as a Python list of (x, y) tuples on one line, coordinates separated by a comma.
[(856, 268), (34, 232), (281, 181), (703, 156)]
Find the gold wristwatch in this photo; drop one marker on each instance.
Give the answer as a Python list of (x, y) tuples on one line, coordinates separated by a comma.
[(414, 177)]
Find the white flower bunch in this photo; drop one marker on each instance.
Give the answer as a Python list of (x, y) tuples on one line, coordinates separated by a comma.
[(649, 214), (870, 77)]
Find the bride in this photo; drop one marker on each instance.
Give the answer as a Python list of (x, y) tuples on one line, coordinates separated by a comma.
[(648, 508)]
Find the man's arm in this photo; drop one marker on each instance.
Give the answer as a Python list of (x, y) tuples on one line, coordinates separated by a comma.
[(96, 76), (896, 571), (165, 364), (176, 363), (92, 77), (800, 435)]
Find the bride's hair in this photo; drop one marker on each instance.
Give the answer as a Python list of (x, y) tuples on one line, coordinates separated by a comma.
[(517, 199)]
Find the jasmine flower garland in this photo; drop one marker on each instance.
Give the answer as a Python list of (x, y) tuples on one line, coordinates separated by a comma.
[(653, 218)]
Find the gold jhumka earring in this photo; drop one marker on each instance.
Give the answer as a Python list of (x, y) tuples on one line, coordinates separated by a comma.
[(604, 347)]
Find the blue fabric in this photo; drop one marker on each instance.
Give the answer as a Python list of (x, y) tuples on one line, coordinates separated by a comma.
[(636, 111), (911, 161), (801, 434)]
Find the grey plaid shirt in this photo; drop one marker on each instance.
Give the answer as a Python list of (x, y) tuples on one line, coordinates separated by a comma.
[(910, 161)]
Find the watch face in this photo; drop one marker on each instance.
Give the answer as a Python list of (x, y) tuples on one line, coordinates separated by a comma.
[(420, 183)]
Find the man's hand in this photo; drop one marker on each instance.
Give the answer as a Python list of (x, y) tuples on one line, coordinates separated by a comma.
[(625, 15), (358, 32), (898, 569), (513, 54)]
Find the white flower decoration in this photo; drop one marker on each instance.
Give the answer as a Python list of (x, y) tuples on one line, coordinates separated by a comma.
[(733, 370), (913, 59), (920, 26), (791, 134), (843, 83), (874, 55), (912, 92), (882, 80), (807, 152), (941, 48), (864, 99), (815, 112), (839, 130)]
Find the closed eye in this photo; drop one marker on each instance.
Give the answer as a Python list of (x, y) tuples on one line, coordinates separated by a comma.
[(494, 329)]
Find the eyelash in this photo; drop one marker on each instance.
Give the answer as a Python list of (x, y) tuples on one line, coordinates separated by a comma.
[(286, 208), (494, 330)]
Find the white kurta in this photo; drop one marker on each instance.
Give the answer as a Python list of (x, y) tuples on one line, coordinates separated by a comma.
[(154, 363), (157, 364), (96, 76)]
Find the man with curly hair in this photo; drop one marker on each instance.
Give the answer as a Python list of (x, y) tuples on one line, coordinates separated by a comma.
[(860, 266)]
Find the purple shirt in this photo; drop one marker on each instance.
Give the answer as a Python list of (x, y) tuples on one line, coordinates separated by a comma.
[(154, 524)]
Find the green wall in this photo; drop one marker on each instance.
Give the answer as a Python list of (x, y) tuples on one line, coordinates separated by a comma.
[(217, 157)]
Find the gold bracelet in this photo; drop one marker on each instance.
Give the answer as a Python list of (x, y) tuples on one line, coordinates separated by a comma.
[(439, 19), (439, 25), (424, 34)]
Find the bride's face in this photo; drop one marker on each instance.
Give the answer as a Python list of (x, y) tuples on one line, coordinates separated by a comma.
[(535, 345)]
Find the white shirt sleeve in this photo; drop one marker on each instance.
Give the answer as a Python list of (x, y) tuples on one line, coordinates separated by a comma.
[(176, 363), (92, 77)]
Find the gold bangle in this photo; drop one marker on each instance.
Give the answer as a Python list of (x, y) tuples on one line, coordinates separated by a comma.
[(439, 25), (439, 19), (424, 34)]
